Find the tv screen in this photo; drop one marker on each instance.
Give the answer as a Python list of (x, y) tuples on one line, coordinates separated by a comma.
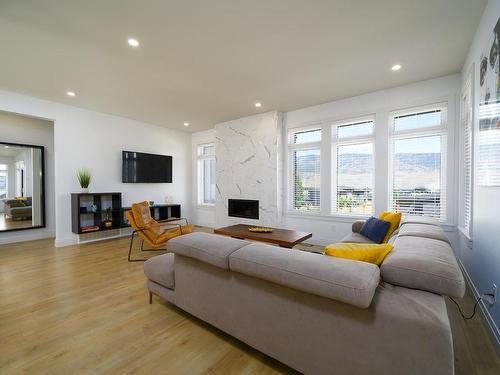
[(138, 167)]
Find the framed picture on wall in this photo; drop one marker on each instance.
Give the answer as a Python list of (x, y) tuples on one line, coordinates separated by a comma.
[(489, 111)]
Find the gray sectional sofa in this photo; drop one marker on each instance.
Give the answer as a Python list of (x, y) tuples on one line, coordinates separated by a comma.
[(320, 314)]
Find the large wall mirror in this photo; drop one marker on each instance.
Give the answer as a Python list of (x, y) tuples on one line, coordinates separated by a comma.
[(22, 188)]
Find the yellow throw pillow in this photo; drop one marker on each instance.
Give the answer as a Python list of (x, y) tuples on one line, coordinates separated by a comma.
[(365, 252), (392, 217)]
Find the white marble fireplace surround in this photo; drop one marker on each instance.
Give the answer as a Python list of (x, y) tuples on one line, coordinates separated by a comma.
[(248, 166)]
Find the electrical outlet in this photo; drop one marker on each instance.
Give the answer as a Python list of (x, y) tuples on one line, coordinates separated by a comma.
[(491, 297)]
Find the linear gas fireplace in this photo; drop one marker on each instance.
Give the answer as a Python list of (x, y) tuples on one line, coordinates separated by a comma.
[(246, 208)]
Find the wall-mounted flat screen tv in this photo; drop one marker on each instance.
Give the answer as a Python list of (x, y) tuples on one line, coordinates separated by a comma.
[(138, 167)]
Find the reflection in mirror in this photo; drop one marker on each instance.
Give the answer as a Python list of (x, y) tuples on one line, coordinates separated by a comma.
[(22, 203)]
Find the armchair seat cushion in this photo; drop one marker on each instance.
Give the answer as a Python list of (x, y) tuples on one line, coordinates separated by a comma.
[(160, 269)]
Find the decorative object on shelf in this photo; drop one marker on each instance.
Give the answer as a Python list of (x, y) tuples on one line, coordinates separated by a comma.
[(84, 178), (260, 230), (169, 199), (89, 228), (93, 208), (83, 210), (151, 203), (107, 223)]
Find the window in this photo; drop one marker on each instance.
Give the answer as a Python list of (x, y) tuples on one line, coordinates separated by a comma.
[(3, 181), (466, 156), (206, 174), (418, 165), (305, 156), (353, 163)]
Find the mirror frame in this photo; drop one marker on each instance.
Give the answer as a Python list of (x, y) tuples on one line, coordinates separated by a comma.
[(42, 150)]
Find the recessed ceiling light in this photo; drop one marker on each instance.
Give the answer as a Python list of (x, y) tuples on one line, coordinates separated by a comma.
[(70, 93), (258, 104), (186, 124), (133, 42), (396, 67)]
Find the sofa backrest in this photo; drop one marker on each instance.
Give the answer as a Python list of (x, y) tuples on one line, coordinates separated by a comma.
[(423, 259), (343, 280), (209, 248)]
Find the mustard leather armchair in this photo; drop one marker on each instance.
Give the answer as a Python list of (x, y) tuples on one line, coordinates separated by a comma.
[(151, 232)]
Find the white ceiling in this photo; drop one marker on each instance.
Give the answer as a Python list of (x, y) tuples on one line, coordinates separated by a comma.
[(206, 62)]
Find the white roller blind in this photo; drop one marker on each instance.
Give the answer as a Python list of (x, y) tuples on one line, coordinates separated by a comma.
[(419, 163), (466, 120), (489, 144)]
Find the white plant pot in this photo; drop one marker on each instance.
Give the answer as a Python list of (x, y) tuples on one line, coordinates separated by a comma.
[(85, 190)]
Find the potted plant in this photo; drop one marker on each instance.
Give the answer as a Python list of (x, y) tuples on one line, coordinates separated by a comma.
[(84, 180)]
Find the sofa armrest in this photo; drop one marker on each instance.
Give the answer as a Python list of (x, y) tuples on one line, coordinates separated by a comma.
[(357, 225)]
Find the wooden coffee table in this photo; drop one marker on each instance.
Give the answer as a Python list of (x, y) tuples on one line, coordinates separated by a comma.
[(282, 237)]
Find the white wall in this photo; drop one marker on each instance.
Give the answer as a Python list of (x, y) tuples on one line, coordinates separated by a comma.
[(327, 229), (26, 130), (481, 256), (92, 140), (248, 161), (202, 214)]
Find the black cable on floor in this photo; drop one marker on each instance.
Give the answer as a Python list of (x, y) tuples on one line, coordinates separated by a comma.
[(475, 305), (460, 310)]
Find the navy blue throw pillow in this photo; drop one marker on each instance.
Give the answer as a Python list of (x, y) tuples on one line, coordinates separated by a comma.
[(375, 229)]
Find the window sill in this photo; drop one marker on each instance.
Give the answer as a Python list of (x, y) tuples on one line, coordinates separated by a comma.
[(465, 234), (321, 217)]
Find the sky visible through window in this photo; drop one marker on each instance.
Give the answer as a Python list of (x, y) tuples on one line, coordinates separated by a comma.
[(417, 121), (307, 136)]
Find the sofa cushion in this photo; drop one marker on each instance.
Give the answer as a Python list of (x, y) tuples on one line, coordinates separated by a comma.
[(160, 269), (414, 219), (356, 238), (375, 229), (423, 230), (364, 252), (394, 218), (343, 280), (209, 248), (423, 263)]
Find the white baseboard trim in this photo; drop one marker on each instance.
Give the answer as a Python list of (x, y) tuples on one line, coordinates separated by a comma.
[(24, 236), (491, 325), (62, 242), (98, 236)]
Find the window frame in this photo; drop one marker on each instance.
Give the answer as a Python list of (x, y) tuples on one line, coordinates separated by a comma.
[(291, 148), (467, 89), (442, 130), (200, 158), (349, 141)]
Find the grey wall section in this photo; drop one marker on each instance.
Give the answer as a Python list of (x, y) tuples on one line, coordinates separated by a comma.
[(27, 130), (481, 256)]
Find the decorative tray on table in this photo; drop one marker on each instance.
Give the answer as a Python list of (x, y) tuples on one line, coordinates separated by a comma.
[(260, 230)]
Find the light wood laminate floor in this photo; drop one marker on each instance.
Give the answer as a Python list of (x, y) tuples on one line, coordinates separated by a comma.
[(84, 310)]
